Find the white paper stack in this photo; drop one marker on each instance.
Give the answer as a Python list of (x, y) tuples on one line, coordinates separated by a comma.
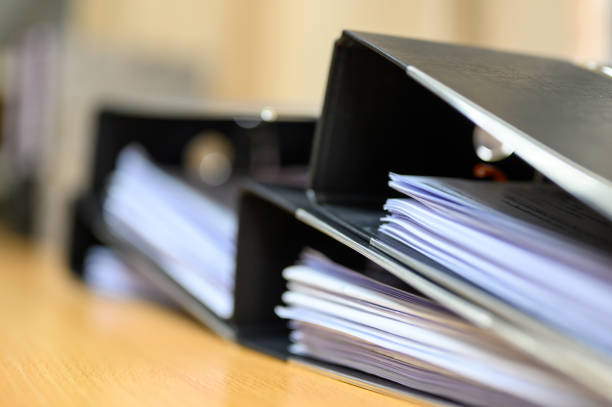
[(340, 316), (531, 245), (189, 235)]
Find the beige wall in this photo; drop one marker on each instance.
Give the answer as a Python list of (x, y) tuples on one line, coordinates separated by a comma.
[(262, 52), (564, 28), (268, 51)]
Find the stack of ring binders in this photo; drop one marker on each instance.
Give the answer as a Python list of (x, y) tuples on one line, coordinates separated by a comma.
[(413, 107)]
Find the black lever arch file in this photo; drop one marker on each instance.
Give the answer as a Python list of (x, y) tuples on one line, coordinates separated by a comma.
[(411, 107), (284, 142)]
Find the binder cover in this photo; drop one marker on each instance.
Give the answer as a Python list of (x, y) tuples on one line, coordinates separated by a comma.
[(409, 106)]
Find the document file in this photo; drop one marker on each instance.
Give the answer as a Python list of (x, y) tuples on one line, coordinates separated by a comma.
[(347, 318), (191, 236), (532, 245)]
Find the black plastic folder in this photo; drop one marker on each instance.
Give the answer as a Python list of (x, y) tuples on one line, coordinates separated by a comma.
[(284, 142), (410, 107)]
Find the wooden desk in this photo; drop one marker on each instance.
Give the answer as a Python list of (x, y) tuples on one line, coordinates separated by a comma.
[(62, 345)]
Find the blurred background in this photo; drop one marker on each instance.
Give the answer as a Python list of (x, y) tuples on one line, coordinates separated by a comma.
[(61, 60)]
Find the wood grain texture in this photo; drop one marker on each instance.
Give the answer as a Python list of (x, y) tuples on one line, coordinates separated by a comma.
[(62, 345)]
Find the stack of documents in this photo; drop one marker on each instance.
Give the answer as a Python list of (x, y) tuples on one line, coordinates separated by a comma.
[(531, 245), (343, 317), (190, 236)]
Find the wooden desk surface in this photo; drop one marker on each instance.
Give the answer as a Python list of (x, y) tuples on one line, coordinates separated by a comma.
[(62, 345)]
